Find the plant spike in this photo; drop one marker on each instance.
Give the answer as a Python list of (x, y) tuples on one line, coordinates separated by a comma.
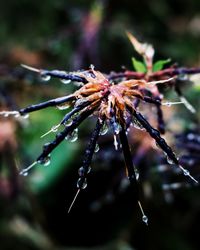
[(67, 117), (184, 100), (49, 147), (85, 169), (57, 74), (61, 136), (130, 169), (39, 106), (24, 171), (155, 134)]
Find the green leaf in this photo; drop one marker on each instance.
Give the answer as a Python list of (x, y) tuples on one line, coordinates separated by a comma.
[(160, 64), (44, 177), (138, 65)]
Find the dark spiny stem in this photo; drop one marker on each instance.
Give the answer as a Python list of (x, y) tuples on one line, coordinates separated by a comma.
[(50, 103), (130, 169), (127, 156), (74, 111), (169, 72), (157, 102), (186, 71), (127, 75), (48, 148), (84, 170), (155, 134), (63, 75)]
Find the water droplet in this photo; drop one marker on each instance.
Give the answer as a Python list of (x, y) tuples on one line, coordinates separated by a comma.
[(82, 183), (89, 170), (137, 174), (46, 145), (186, 172), (91, 66), (145, 219), (17, 115), (190, 136), (137, 124), (68, 123), (65, 81), (168, 104), (64, 106), (96, 148), (170, 161), (183, 77), (25, 116), (54, 129), (80, 102), (45, 161), (104, 130), (81, 171), (24, 173), (45, 77), (117, 127), (191, 162), (73, 136)]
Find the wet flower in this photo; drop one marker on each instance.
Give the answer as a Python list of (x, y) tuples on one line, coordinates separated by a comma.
[(115, 106)]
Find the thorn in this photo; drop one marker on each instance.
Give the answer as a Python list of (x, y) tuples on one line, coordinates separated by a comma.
[(171, 103), (25, 170), (144, 217), (162, 81), (53, 129), (30, 68), (73, 201), (187, 104), (187, 173)]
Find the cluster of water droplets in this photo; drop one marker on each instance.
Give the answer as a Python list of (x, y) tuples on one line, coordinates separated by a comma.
[(82, 181), (185, 171), (45, 76)]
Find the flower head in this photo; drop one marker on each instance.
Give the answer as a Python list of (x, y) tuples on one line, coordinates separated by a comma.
[(115, 105)]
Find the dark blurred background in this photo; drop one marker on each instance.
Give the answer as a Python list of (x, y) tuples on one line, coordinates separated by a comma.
[(71, 35)]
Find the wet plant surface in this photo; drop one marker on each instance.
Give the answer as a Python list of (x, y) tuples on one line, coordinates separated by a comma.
[(91, 150)]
